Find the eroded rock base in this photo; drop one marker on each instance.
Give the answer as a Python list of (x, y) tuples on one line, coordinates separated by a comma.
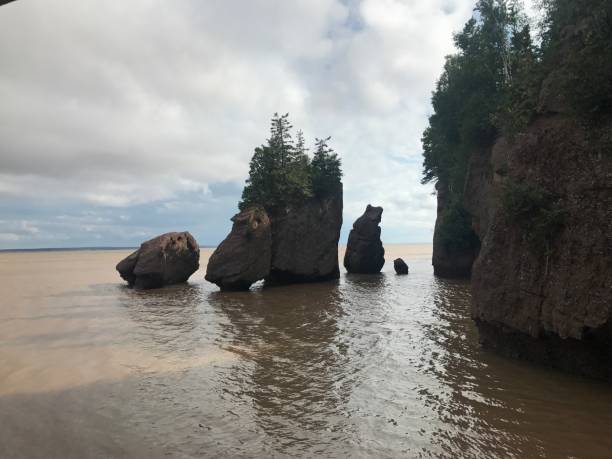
[(590, 357)]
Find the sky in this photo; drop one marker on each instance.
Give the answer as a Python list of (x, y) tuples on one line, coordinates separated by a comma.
[(121, 120)]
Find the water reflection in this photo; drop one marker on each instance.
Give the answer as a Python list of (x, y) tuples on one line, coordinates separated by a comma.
[(169, 317), (370, 366), (289, 344)]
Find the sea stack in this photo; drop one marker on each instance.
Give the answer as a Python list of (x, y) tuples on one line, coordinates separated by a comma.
[(400, 266), (364, 252), (243, 258), (305, 241), (165, 260)]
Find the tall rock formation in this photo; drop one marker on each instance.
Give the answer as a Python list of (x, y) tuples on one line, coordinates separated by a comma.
[(243, 258), (364, 251), (542, 285), (305, 241), (452, 257), (289, 245), (165, 260), (542, 206)]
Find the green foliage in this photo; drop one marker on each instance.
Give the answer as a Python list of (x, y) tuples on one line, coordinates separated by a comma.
[(325, 169), (491, 86), (281, 172), (518, 102), (468, 96), (471, 89), (577, 39), (540, 215)]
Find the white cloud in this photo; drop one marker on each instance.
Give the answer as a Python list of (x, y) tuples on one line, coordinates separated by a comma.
[(120, 104)]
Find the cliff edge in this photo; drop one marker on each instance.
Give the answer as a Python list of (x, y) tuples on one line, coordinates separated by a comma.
[(542, 208)]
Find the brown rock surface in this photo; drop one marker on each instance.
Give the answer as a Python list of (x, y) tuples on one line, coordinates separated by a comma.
[(167, 259), (552, 303), (449, 262), (305, 242), (244, 256), (364, 251)]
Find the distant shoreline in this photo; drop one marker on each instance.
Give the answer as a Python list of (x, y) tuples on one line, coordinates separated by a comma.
[(67, 249), (85, 249)]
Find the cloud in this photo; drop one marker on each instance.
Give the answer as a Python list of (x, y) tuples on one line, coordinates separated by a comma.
[(130, 109)]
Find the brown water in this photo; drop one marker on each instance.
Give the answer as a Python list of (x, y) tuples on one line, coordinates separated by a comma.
[(370, 366)]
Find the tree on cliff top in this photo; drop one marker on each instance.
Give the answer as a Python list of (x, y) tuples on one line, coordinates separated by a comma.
[(470, 91), (468, 95), (577, 41), (282, 174), (325, 171)]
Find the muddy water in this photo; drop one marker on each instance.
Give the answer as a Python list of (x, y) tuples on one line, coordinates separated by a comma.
[(370, 366)]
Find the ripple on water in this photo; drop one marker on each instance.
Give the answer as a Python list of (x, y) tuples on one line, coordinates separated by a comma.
[(368, 366)]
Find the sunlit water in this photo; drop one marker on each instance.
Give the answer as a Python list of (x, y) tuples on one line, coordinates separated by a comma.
[(369, 366)]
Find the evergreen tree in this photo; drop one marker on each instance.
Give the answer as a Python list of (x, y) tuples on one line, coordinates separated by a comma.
[(280, 172), (577, 39), (467, 98), (326, 170)]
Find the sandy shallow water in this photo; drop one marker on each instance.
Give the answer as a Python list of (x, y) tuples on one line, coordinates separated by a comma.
[(369, 366)]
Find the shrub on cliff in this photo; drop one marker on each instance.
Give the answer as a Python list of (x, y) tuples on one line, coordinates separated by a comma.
[(540, 215), (281, 172)]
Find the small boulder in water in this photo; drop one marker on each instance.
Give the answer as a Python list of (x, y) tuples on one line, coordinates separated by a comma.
[(364, 251), (400, 266), (165, 260), (244, 256)]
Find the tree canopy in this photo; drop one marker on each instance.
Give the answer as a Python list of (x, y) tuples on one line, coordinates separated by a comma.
[(281, 173), (491, 85)]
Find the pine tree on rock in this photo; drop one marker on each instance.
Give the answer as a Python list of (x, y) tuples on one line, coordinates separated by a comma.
[(281, 173)]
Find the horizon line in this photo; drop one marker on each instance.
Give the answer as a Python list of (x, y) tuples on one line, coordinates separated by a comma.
[(135, 247)]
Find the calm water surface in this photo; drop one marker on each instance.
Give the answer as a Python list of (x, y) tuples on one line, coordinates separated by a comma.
[(369, 366)]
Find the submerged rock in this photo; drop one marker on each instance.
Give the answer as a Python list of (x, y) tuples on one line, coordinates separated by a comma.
[(400, 266), (364, 251), (165, 260), (244, 256), (305, 241)]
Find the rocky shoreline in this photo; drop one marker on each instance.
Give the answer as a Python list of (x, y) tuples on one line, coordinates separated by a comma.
[(540, 204)]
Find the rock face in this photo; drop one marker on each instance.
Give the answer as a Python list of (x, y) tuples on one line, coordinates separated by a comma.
[(364, 251), (400, 266), (305, 242), (167, 259), (550, 301), (542, 283), (450, 260), (244, 256)]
